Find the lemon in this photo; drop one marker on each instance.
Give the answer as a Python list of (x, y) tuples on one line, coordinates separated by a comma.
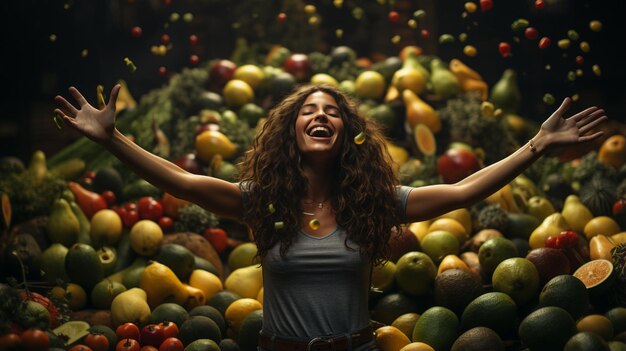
[(207, 282), (323, 78), (239, 310), (106, 228), (213, 142), (406, 323), (390, 338), (603, 225), (251, 74), (369, 85), (146, 237), (237, 93), (246, 281), (383, 276)]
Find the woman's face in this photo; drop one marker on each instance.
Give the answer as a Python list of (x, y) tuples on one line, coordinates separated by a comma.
[(319, 126)]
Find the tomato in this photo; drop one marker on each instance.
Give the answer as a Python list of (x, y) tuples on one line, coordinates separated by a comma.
[(172, 344), (10, 341), (80, 347), (45, 302), (136, 31), (35, 340), (130, 206), (128, 345), (152, 334), (149, 208), (393, 16), (165, 39), (109, 197), (193, 39), (128, 331), (166, 223), (170, 329), (217, 237), (567, 239), (97, 342), (551, 242)]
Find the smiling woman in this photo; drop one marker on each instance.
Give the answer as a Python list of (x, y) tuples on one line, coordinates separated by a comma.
[(322, 202)]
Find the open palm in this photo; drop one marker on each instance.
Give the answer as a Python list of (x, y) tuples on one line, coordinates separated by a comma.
[(574, 129), (97, 125)]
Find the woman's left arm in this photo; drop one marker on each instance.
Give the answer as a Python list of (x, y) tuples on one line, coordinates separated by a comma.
[(430, 201)]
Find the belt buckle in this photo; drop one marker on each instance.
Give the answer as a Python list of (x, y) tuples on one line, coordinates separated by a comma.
[(318, 339)]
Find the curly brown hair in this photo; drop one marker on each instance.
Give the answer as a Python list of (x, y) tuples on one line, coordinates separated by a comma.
[(364, 196)]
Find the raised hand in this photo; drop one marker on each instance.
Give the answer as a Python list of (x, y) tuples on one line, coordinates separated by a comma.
[(98, 125), (562, 131)]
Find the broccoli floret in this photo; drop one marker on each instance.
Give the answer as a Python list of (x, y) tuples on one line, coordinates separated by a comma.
[(195, 219), (493, 217), (27, 199), (236, 130)]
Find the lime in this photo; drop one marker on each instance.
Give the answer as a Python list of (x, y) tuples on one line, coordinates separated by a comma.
[(586, 341), (437, 327), (494, 310), (494, 251), (518, 278), (440, 243), (567, 292), (72, 331), (547, 328), (415, 273)]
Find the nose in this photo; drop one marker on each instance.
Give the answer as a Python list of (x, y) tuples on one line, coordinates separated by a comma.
[(321, 116)]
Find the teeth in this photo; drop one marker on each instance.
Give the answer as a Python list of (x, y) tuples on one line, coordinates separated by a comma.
[(320, 132)]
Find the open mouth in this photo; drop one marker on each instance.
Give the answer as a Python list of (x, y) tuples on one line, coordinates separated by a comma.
[(319, 131)]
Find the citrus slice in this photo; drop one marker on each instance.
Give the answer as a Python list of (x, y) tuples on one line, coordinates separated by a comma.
[(71, 331), (425, 140), (597, 275)]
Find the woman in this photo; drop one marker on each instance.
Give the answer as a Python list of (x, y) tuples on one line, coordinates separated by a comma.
[(321, 204)]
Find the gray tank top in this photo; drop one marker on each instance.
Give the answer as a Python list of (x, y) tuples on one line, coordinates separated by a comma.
[(320, 288)]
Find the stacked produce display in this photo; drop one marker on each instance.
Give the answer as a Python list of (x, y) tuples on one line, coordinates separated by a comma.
[(97, 259)]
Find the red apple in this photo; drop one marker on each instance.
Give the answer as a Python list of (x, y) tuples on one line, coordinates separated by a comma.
[(456, 164), (189, 163), (401, 243), (221, 72), (299, 66), (619, 211)]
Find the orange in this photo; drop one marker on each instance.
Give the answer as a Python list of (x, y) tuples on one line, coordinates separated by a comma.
[(604, 225), (463, 216), (597, 275), (613, 151), (390, 338), (596, 323), (453, 262), (239, 310)]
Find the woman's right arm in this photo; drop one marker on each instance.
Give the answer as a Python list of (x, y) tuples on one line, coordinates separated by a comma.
[(215, 195)]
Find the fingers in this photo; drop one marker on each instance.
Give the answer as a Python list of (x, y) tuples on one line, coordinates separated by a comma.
[(64, 105), (592, 124), (78, 96), (582, 114), (66, 119), (564, 106), (113, 98), (588, 118), (592, 136)]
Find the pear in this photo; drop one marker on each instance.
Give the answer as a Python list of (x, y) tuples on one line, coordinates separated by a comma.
[(130, 306), (246, 281), (445, 83), (418, 111), (505, 94), (540, 207), (53, 263), (63, 225), (552, 225), (576, 213)]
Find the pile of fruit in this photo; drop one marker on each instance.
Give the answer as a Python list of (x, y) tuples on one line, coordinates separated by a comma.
[(97, 259)]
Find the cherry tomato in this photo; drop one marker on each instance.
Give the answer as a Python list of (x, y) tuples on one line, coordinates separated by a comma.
[(194, 59), (166, 223), (551, 242), (130, 206), (393, 16), (170, 329), (539, 4), (165, 39), (619, 207), (172, 344), (162, 70), (193, 39), (505, 49), (128, 345), (149, 208), (10, 341), (130, 218), (425, 34), (90, 174), (281, 17), (567, 239), (109, 197), (217, 237), (128, 331), (136, 31), (35, 340), (97, 342), (544, 43), (80, 347), (531, 33), (486, 5), (152, 334), (580, 60)]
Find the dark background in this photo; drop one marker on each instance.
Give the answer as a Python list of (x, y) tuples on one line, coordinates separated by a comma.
[(34, 69)]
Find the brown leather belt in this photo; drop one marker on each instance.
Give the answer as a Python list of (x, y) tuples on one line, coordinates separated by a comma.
[(339, 343)]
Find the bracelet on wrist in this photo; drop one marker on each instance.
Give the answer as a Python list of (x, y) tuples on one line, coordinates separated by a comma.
[(532, 146)]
